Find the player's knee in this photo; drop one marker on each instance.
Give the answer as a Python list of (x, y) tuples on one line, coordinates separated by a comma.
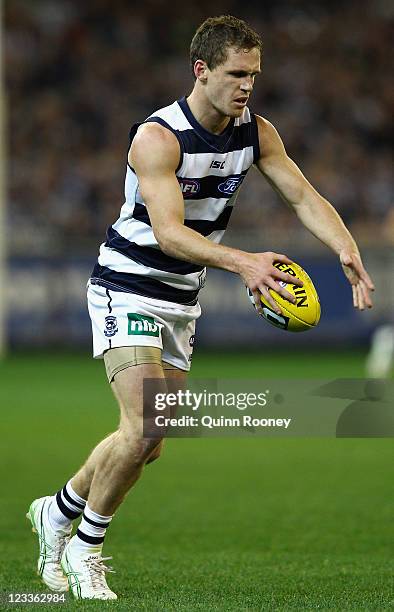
[(140, 450)]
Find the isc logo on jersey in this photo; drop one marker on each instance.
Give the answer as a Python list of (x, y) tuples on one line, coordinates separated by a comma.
[(218, 164), (141, 325)]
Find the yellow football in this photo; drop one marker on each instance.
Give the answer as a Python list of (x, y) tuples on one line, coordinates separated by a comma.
[(301, 316)]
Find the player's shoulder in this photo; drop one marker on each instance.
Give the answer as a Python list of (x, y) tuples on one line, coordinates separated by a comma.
[(154, 144), (151, 133), (264, 126), (160, 127), (269, 139)]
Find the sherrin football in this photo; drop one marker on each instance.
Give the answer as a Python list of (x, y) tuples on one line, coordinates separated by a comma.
[(302, 315)]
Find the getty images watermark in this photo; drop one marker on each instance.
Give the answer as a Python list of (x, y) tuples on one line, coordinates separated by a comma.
[(273, 407), (194, 401)]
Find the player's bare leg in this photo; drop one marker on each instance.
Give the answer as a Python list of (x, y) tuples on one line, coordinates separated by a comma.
[(126, 442), (83, 478), (116, 464), (118, 460)]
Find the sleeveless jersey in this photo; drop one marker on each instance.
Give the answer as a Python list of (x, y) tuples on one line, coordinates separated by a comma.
[(210, 172)]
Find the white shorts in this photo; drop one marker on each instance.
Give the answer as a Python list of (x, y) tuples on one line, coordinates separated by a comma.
[(126, 319)]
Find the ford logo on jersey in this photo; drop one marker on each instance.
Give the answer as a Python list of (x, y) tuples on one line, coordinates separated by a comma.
[(231, 184), (189, 186)]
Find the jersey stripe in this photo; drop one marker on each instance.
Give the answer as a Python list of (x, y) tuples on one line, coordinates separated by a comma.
[(217, 163), (210, 186), (209, 208), (118, 261), (194, 144), (202, 226), (148, 256), (255, 138), (141, 285)]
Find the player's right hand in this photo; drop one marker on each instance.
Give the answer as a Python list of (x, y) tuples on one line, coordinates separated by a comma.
[(358, 277), (260, 275)]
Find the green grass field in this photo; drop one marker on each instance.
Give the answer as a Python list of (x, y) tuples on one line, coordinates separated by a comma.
[(217, 524)]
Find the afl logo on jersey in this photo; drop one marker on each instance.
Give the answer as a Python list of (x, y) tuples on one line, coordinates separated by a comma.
[(189, 186), (231, 184)]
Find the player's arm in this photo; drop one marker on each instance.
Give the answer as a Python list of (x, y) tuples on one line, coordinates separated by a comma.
[(154, 156), (314, 211)]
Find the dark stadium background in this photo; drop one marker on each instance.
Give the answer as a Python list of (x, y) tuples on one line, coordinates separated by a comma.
[(216, 524), (79, 74)]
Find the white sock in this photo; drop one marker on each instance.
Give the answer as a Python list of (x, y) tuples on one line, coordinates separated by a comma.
[(65, 506), (91, 531)]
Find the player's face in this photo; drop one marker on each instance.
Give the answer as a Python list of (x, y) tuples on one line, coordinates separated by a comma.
[(230, 84)]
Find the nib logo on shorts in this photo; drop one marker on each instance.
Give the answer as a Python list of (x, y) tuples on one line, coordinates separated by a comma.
[(141, 325)]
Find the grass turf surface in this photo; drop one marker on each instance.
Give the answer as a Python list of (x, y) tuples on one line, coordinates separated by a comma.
[(218, 524)]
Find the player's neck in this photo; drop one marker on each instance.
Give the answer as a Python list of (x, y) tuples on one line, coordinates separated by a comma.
[(206, 115)]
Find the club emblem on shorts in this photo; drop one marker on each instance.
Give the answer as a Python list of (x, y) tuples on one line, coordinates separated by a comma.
[(141, 325), (192, 340), (111, 326)]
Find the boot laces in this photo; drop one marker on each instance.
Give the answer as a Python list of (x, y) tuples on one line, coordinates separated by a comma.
[(97, 570), (58, 548)]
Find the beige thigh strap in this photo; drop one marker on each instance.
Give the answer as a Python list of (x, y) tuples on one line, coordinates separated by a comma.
[(120, 358), (169, 366)]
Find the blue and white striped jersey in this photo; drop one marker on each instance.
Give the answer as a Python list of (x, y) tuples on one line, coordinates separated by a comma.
[(210, 172)]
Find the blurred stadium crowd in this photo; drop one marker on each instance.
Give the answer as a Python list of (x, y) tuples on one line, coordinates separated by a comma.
[(79, 74)]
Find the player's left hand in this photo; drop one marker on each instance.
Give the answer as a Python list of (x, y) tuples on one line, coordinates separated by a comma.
[(358, 277)]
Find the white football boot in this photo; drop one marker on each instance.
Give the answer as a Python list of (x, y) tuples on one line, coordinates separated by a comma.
[(52, 544), (86, 573)]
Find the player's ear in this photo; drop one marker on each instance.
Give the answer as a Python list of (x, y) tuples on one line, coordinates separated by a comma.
[(200, 70)]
